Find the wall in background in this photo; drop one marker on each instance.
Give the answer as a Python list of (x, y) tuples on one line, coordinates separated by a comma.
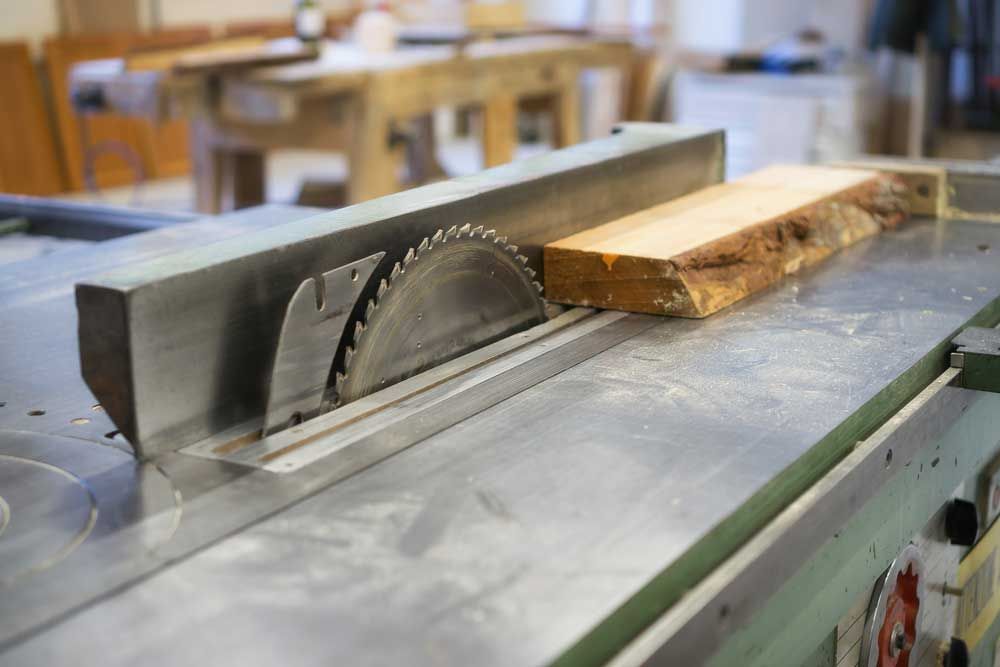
[(732, 25), (29, 20)]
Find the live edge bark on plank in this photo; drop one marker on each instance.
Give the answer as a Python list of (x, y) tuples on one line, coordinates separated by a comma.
[(695, 255)]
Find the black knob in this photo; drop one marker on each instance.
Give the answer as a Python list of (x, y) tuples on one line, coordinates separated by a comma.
[(957, 655), (961, 523)]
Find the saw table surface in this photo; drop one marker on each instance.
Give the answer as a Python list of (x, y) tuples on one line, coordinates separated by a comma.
[(509, 538)]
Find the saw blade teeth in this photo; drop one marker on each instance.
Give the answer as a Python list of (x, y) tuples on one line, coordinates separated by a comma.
[(366, 362)]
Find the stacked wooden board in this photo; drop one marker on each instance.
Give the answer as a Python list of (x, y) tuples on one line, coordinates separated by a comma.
[(698, 254), (29, 158)]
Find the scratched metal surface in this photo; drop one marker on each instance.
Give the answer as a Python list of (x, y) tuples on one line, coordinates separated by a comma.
[(505, 538)]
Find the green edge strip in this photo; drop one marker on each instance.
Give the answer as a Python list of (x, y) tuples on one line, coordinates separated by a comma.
[(624, 624)]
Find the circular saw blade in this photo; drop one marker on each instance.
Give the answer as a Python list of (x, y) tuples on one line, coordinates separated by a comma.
[(456, 292)]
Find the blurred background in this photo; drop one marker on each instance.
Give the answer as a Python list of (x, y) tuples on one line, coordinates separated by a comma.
[(192, 105)]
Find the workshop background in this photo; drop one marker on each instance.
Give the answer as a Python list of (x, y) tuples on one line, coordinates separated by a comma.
[(453, 332), (789, 80)]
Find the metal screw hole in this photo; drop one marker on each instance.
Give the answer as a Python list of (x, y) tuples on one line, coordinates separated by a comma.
[(36, 413), (79, 421), (888, 458)]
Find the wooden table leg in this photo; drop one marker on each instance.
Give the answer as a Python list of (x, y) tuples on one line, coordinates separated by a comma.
[(421, 152), (207, 169), (245, 178), (225, 179), (566, 115), (499, 130), (372, 163)]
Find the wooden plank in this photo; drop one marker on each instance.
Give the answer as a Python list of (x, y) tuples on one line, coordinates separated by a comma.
[(160, 57), (698, 254), (221, 56), (29, 160)]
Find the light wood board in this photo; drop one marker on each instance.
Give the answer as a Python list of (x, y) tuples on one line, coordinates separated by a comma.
[(698, 254), (29, 161)]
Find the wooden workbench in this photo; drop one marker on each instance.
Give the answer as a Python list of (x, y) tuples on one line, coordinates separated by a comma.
[(349, 100)]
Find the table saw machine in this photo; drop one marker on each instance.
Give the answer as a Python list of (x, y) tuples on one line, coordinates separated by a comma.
[(363, 437)]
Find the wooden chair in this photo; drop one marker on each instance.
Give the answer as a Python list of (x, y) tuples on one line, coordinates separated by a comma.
[(29, 159), (162, 150)]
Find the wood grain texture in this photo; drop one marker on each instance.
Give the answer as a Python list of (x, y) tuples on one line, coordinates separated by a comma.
[(29, 159), (698, 254)]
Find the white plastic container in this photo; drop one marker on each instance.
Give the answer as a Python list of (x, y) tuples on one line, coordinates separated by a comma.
[(375, 29)]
